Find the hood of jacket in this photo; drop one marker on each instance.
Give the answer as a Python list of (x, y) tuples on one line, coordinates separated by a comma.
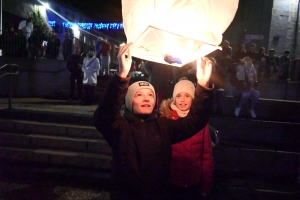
[(165, 109)]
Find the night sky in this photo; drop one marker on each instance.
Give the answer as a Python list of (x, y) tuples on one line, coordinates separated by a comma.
[(99, 10)]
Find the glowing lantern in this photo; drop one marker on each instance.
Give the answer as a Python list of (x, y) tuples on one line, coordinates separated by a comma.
[(176, 32)]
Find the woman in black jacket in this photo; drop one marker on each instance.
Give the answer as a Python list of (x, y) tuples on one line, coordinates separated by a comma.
[(141, 142)]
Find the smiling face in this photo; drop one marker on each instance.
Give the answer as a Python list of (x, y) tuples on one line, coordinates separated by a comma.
[(143, 102), (183, 101)]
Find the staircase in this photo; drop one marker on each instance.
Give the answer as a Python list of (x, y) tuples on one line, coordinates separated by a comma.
[(258, 158), (31, 144)]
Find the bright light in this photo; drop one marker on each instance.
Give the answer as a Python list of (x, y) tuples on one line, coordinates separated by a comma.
[(76, 30), (46, 5)]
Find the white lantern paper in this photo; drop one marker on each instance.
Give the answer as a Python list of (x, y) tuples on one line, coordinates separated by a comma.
[(176, 32)]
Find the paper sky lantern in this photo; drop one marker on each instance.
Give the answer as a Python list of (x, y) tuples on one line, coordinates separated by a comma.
[(176, 32)]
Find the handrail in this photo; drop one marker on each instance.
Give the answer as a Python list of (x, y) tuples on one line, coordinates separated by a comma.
[(10, 72), (44, 71)]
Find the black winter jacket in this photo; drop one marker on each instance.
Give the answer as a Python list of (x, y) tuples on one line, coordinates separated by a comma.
[(141, 145)]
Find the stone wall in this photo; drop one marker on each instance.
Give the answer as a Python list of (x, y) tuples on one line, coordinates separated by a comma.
[(42, 78), (283, 24)]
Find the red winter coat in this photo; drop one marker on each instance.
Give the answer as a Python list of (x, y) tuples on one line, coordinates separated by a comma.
[(192, 161)]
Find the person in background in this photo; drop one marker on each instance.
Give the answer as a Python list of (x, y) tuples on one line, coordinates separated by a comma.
[(218, 78), (284, 66), (67, 46), (105, 58), (35, 42), (53, 45), (141, 142), (192, 165), (160, 76), (244, 79), (97, 47), (90, 68), (272, 63), (239, 54), (225, 56), (252, 53), (74, 63), (261, 63)]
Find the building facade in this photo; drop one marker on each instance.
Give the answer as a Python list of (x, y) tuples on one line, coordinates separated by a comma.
[(272, 24)]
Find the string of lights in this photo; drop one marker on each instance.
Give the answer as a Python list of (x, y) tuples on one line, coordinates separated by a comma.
[(89, 26)]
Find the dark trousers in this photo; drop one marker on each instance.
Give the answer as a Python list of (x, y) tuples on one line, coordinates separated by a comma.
[(76, 78), (89, 94), (217, 104)]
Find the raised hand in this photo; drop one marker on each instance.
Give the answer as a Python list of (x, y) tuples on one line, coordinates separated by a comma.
[(204, 68), (124, 58)]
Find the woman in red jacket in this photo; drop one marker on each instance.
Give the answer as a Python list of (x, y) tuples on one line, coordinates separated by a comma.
[(192, 162)]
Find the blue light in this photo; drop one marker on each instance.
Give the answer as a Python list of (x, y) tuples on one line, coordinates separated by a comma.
[(89, 26), (52, 23), (101, 26)]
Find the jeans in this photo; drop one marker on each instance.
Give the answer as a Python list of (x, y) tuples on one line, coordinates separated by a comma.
[(245, 95)]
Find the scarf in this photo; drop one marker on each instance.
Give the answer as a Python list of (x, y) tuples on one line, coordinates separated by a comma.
[(179, 112)]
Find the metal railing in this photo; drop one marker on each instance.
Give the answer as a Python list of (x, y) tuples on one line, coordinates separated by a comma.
[(9, 69)]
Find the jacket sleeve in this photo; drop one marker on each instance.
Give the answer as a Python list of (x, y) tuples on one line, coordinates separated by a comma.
[(207, 164), (107, 115), (96, 65), (198, 117)]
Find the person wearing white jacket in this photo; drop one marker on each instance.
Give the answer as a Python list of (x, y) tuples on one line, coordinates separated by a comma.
[(90, 68)]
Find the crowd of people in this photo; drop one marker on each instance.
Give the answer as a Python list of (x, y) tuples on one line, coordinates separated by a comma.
[(84, 71), (29, 41), (267, 64), (243, 68)]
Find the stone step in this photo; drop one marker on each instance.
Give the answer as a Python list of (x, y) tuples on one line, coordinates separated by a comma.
[(47, 116), (48, 128), (266, 109), (89, 161), (258, 164), (241, 188), (36, 141), (273, 135)]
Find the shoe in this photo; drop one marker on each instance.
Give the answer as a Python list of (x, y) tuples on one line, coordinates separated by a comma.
[(237, 111), (252, 113)]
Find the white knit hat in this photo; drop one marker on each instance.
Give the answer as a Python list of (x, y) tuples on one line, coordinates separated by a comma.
[(133, 88), (184, 85)]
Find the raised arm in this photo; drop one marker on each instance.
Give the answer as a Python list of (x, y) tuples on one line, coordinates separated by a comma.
[(204, 68), (107, 115), (124, 58)]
